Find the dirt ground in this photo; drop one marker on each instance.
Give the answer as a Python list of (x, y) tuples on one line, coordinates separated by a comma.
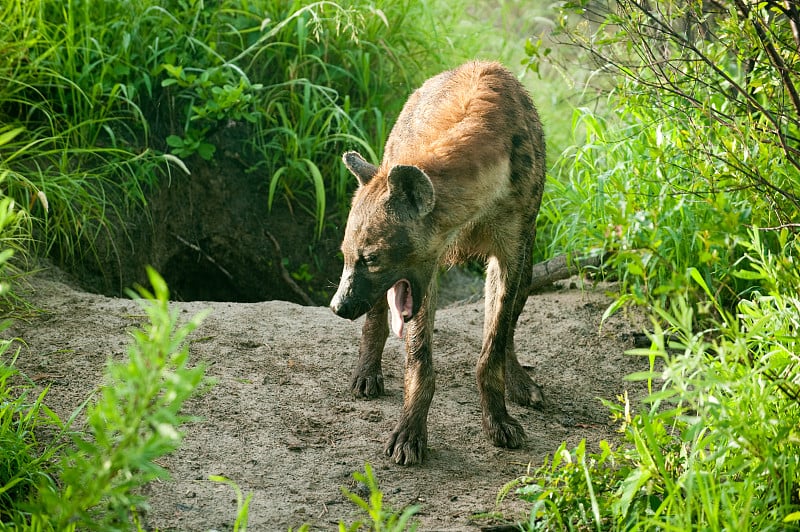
[(281, 422)]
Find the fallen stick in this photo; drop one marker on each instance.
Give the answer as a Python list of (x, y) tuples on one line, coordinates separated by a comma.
[(558, 268), (205, 255)]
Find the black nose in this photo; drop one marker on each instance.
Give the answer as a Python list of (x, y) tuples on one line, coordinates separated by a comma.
[(349, 308), (336, 307), (343, 309)]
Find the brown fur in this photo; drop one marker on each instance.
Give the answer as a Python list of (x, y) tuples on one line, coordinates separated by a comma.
[(462, 177)]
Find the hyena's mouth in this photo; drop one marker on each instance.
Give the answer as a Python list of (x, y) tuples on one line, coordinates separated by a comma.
[(401, 304)]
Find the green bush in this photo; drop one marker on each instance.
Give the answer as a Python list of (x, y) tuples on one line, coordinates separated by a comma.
[(672, 188), (88, 479), (613, 194), (716, 445), (692, 150)]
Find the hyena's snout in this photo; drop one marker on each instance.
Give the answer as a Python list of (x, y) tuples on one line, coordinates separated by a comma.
[(346, 307), (348, 302)]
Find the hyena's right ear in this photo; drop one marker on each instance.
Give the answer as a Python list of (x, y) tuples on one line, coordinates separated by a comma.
[(360, 168)]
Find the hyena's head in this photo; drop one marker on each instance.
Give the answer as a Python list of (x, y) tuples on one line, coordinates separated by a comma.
[(387, 244)]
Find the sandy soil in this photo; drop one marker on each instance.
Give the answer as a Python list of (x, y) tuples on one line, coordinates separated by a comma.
[(281, 422)]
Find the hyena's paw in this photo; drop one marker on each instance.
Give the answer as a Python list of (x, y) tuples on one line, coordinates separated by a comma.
[(366, 385), (521, 389), (504, 432), (407, 445)]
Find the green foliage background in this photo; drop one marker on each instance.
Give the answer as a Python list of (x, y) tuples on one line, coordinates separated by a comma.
[(686, 181), (677, 162), (101, 101)]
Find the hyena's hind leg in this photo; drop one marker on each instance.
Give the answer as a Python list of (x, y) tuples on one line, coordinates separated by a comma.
[(367, 379), (520, 388), (501, 283)]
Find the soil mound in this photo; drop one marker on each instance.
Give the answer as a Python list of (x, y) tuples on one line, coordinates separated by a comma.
[(281, 423)]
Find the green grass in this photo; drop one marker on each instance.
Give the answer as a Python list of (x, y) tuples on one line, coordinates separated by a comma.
[(78, 155), (613, 193), (105, 100), (24, 458), (715, 445)]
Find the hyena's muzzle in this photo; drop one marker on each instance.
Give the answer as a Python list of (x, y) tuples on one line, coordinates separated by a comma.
[(358, 292), (354, 297)]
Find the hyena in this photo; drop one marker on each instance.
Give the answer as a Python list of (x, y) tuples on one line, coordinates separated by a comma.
[(461, 178)]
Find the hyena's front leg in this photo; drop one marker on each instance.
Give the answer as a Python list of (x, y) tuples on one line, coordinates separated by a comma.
[(367, 379), (501, 287), (408, 443)]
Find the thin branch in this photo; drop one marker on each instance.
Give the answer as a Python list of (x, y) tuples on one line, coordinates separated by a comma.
[(287, 278), (751, 100), (775, 57), (205, 255), (793, 227)]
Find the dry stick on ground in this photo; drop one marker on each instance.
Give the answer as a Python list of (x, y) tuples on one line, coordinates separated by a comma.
[(205, 255), (287, 278), (557, 268)]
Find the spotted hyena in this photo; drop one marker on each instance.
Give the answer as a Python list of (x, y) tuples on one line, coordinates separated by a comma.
[(461, 178)]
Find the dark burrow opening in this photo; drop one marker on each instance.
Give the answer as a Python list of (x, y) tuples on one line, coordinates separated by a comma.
[(212, 237), (193, 276)]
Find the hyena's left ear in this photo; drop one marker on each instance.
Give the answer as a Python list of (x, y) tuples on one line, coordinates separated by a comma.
[(410, 191), (359, 167)]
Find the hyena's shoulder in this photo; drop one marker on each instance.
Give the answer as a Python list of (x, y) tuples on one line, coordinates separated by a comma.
[(461, 120)]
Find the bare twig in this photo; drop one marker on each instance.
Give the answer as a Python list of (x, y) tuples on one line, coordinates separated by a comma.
[(775, 57), (286, 276), (793, 227), (205, 255)]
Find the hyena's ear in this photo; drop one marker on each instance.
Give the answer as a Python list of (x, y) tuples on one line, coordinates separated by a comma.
[(410, 191), (360, 168)]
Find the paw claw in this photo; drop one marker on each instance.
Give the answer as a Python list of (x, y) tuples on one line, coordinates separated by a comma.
[(406, 448), (367, 386), (521, 389), (507, 433), (526, 395)]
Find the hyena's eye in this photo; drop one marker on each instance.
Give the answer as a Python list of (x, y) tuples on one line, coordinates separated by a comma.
[(370, 259)]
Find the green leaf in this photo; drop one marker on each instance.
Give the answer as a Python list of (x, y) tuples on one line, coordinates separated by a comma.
[(9, 135), (629, 489), (206, 150), (175, 141)]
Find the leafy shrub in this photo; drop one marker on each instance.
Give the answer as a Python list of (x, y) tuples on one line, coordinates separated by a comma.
[(675, 185), (716, 446), (612, 194), (88, 479), (693, 150)]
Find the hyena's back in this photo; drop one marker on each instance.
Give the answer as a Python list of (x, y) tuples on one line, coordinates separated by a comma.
[(472, 129)]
